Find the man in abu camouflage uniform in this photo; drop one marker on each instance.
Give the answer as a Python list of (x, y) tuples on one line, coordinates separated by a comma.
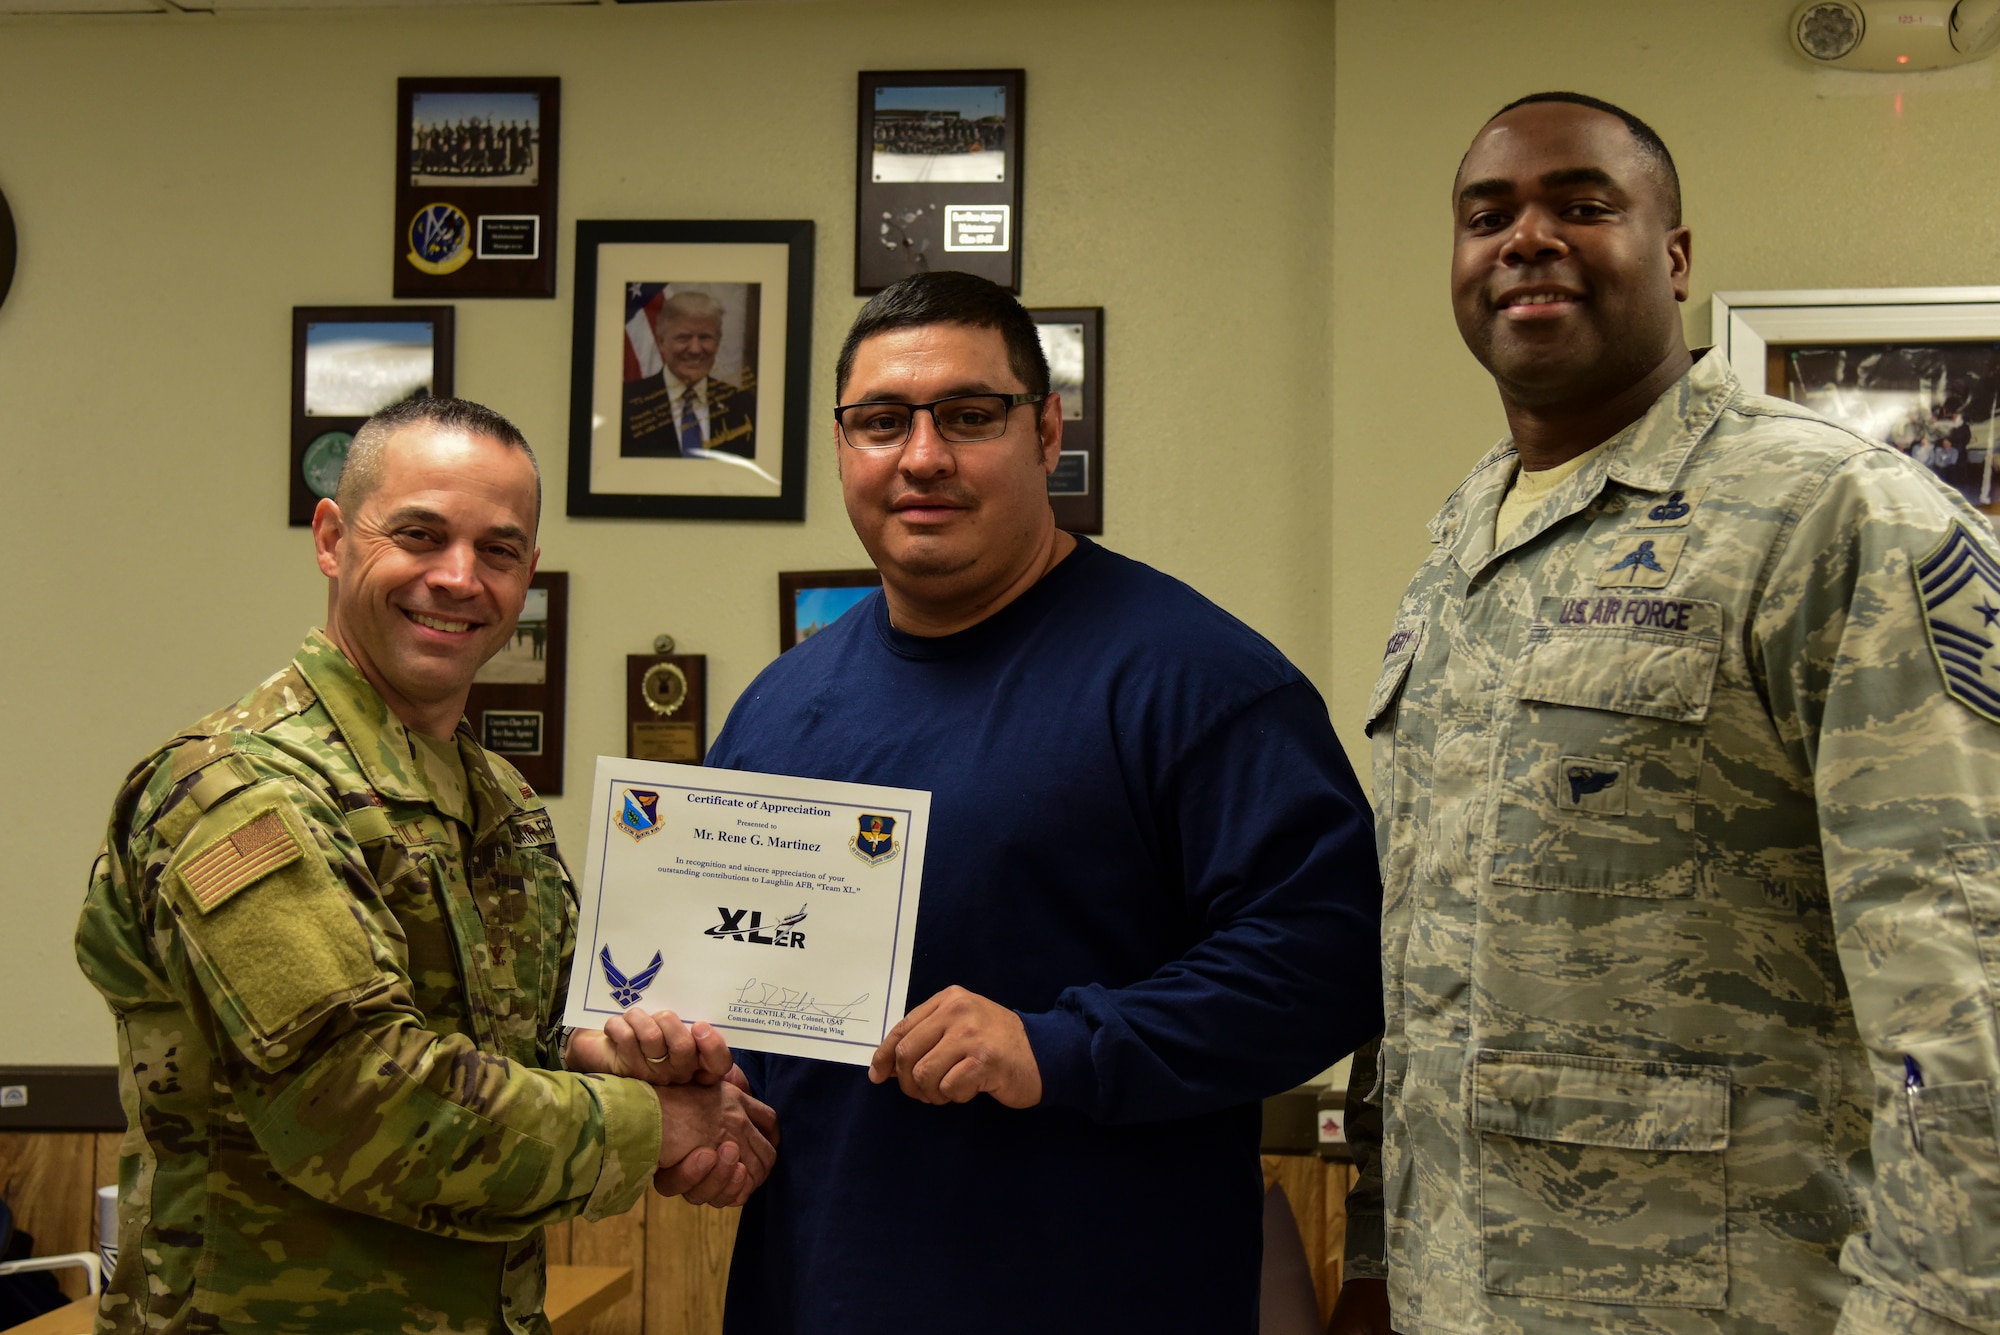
[(335, 934), (1687, 780)]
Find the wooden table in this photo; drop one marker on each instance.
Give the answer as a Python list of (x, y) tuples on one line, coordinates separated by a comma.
[(576, 1294)]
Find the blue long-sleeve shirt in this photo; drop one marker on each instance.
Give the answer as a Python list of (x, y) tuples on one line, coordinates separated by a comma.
[(1145, 839)]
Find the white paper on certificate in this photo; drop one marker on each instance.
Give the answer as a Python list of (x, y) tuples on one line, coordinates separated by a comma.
[(780, 910)]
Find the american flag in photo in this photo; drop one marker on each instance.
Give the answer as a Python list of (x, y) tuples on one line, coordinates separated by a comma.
[(642, 350)]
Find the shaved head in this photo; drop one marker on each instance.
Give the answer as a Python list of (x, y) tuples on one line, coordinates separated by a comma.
[(361, 472)]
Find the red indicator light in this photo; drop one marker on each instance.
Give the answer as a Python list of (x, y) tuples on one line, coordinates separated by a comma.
[(1902, 60)]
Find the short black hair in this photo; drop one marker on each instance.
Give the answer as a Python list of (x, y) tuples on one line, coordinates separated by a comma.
[(361, 470), (1648, 139), (944, 296)]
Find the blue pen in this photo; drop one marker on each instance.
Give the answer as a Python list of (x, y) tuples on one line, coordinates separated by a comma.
[(1913, 1080)]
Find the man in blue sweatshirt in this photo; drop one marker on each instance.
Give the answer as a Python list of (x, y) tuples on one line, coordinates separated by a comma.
[(1150, 896)]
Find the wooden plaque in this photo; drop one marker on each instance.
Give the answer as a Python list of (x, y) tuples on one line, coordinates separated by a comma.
[(666, 707)]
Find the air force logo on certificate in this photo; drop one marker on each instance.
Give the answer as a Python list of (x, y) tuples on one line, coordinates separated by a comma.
[(825, 876)]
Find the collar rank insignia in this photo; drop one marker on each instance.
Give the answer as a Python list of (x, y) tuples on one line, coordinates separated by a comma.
[(640, 816), (1959, 584), (626, 991), (874, 843)]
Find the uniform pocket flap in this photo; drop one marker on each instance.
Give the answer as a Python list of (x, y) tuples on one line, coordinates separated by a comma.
[(1396, 659), (1634, 1105), (1664, 673)]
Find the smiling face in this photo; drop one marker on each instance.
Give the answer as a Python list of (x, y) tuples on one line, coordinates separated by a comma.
[(950, 526), (429, 573), (1565, 272), (688, 344)]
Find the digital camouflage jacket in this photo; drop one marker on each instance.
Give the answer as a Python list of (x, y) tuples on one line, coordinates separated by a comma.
[(336, 976), (1688, 805)]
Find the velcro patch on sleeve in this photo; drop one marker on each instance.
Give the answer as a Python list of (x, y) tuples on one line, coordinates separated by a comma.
[(254, 849)]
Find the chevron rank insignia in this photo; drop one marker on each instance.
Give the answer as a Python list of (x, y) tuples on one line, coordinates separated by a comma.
[(257, 847), (1959, 584)]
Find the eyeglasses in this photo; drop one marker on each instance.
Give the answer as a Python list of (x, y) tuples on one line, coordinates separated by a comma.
[(962, 419)]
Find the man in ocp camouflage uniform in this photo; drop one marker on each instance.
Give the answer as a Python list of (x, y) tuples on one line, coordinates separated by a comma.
[(335, 934), (1687, 780)]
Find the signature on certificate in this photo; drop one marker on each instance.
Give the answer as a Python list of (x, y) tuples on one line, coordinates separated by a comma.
[(772, 997)]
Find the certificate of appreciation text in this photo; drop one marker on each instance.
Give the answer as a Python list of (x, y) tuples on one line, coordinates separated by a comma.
[(780, 910)]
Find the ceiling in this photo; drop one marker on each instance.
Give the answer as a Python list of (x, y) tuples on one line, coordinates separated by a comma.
[(247, 6)]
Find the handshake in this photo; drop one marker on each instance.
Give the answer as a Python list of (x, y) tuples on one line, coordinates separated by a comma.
[(717, 1143)]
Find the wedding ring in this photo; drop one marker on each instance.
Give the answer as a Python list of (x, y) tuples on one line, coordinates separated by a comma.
[(655, 1061)]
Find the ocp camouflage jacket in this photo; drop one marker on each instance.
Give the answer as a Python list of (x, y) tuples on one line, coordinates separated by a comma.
[(336, 978)]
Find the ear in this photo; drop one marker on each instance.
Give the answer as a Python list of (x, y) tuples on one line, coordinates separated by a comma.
[(1050, 429), (327, 528), (1680, 260)]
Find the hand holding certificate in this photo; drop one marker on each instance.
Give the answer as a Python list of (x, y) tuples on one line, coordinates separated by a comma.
[(781, 911)]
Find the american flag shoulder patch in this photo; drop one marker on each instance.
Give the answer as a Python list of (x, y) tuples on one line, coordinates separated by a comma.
[(257, 847)]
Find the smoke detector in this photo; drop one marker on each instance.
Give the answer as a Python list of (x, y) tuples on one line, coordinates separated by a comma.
[(1895, 35)]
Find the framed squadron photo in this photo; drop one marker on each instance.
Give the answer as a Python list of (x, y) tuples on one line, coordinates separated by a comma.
[(938, 175), (1073, 341), (349, 363), (1915, 368), (516, 704), (689, 369), (476, 187)]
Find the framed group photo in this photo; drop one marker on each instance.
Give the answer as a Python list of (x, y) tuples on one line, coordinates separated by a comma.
[(938, 175), (476, 187), (1915, 368), (349, 363), (690, 365), (811, 600)]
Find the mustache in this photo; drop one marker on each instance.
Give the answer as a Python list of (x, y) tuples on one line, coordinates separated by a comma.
[(950, 495)]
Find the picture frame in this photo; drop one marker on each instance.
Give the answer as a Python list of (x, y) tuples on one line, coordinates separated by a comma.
[(476, 168), (1073, 341), (938, 158), (733, 303), (10, 252), (518, 699), (1918, 368), (349, 363), (811, 600)]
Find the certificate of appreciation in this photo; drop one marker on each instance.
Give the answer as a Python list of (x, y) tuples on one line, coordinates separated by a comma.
[(780, 910)]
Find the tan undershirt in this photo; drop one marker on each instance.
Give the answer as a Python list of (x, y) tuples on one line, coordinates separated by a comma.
[(1531, 489), (444, 771)]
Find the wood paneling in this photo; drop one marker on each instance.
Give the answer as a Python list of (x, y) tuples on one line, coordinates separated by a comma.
[(679, 1253), (50, 1183), (687, 1266), (617, 1241)]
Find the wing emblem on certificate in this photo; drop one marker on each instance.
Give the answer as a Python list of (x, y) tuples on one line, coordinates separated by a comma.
[(780, 910), (627, 991)]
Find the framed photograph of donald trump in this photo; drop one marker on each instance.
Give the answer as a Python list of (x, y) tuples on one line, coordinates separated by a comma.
[(689, 370)]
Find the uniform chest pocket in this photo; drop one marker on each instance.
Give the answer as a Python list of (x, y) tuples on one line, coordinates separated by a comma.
[(1602, 756), (1602, 1180), (523, 906)]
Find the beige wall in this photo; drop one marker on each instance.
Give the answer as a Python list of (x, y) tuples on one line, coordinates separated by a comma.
[(180, 185)]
